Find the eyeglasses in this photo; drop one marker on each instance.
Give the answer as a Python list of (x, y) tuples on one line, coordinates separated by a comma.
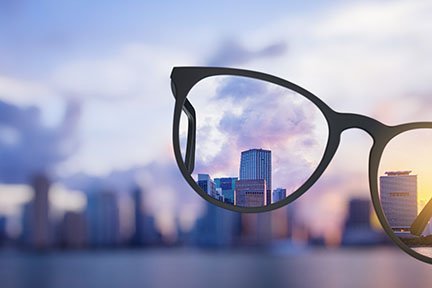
[(257, 142)]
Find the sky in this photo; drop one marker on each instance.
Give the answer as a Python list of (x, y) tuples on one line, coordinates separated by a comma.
[(99, 73)]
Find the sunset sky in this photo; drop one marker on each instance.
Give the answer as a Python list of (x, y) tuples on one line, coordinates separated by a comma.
[(86, 85)]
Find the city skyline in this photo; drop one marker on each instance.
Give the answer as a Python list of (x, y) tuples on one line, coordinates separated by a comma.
[(255, 174)]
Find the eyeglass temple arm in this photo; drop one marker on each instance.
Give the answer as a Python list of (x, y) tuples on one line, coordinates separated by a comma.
[(422, 219), (191, 138)]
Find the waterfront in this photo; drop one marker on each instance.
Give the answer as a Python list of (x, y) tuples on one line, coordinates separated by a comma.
[(369, 267)]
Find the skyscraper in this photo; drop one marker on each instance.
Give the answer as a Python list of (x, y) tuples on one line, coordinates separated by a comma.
[(103, 218), (227, 186), (255, 164), (217, 227), (358, 213), (73, 230), (208, 186), (398, 193), (250, 193), (279, 194), (137, 237), (40, 223)]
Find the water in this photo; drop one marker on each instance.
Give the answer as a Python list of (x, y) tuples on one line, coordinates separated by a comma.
[(380, 267)]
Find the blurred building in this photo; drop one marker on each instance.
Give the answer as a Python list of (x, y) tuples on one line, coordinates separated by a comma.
[(227, 186), (359, 211), (257, 164), (398, 193), (357, 230), (250, 193), (145, 232), (3, 234), (38, 214), (279, 194), (73, 230), (217, 228), (103, 219)]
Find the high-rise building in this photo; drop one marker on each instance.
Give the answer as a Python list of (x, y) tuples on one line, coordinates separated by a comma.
[(398, 193), (3, 234), (358, 230), (227, 187), (39, 219), (74, 230), (103, 218), (279, 194), (145, 230), (250, 193), (255, 164), (137, 237), (208, 185), (359, 213), (217, 227)]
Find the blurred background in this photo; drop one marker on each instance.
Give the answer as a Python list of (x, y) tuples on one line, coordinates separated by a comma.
[(90, 193)]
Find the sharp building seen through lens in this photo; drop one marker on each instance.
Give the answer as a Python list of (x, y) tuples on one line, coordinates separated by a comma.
[(398, 192), (255, 164), (253, 188)]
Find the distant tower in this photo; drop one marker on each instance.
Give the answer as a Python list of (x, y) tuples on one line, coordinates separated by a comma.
[(39, 222), (227, 186), (217, 227), (73, 230), (256, 164), (279, 194), (398, 193), (104, 218), (137, 238), (208, 186)]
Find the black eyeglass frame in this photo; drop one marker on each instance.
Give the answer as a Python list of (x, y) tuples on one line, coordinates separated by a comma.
[(184, 78)]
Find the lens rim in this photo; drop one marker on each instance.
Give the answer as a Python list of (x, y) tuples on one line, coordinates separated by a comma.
[(374, 161), (183, 80)]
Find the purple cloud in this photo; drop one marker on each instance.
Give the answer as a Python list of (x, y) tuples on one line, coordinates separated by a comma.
[(28, 147), (231, 52), (268, 117)]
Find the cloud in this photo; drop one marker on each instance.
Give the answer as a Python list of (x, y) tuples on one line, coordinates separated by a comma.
[(265, 116), (240, 88), (24, 92), (28, 147), (232, 52), (133, 71)]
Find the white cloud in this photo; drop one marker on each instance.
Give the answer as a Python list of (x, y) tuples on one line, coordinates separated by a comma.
[(63, 199), (23, 92), (12, 197), (357, 54), (127, 105)]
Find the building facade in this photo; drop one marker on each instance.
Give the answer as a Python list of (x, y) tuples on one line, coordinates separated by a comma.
[(398, 193), (206, 183), (279, 194), (250, 193), (256, 164), (227, 187)]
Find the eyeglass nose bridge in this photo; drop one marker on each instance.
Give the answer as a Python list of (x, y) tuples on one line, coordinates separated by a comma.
[(344, 121)]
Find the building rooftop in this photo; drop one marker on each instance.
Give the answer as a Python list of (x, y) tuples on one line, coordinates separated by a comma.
[(398, 173)]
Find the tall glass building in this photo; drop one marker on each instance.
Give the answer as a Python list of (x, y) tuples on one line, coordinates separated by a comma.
[(208, 185), (227, 186), (256, 164), (398, 193), (279, 194)]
